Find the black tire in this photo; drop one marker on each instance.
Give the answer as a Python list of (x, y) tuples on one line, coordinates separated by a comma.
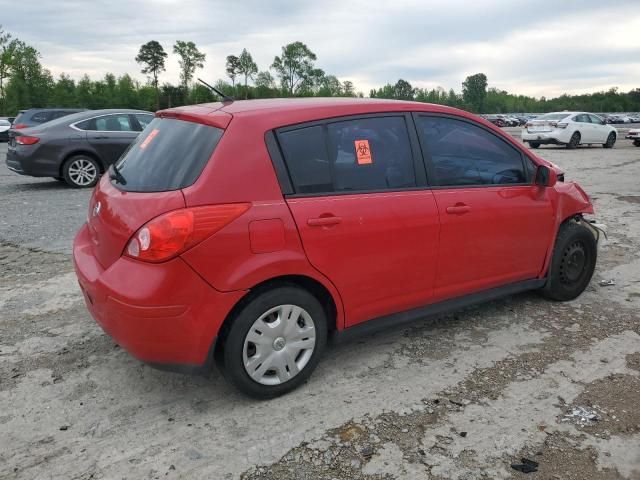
[(81, 171), (636, 143), (534, 144), (574, 141), (231, 358), (573, 262), (611, 140)]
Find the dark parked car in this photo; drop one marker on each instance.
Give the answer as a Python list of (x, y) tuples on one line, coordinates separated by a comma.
[(496, 120), (5, 125), (36, 116), (77, 148)]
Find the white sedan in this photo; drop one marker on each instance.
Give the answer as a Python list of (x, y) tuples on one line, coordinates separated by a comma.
[(5, 125), (570, 129), (634, 134)]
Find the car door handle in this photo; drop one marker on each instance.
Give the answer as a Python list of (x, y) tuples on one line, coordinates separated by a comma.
[(103, 137), (458, 209), (323, 221)]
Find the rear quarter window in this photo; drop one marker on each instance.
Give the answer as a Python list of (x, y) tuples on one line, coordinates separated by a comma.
[(168, 155)]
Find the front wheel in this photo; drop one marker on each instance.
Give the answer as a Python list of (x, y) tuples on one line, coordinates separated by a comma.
[(573, 262), (275, 342), (611, 139), (534, 144), (636, 143), (81, 171)]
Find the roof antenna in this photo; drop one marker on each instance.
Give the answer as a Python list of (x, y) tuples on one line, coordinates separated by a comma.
[(225, 98)]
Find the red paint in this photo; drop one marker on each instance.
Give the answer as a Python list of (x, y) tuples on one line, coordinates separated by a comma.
[(375, 253)]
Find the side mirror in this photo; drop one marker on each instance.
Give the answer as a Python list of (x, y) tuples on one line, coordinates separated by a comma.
[(545, 176)]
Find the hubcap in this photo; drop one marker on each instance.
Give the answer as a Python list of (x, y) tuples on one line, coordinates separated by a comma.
[(279, 344), (82, 172), (573, 263)]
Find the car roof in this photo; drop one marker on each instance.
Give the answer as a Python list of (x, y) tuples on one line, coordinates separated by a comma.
[(85, 115), (287, 111)]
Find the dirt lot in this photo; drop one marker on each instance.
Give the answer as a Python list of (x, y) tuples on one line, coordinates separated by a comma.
[(460, 397)]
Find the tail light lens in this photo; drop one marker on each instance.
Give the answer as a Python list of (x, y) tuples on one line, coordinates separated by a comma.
[(528, 124), (168, 235), (562, 125), (19, 125), (23, 140)]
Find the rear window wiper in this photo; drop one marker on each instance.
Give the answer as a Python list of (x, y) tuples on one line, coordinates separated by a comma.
[(114, 174)]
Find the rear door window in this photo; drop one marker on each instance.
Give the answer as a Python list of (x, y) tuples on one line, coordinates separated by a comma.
[(170, 154), (371, 154), (41, 117), (113, 123), (465, 154), (360, 154)]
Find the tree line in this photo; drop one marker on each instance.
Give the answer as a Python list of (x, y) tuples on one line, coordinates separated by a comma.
[(26, 83)]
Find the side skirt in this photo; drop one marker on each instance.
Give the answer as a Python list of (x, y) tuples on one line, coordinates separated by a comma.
[(422, 313)]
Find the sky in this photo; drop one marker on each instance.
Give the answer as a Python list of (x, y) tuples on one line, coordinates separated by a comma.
[(535, 47)]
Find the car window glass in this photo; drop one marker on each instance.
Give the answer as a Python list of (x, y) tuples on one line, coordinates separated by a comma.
[(305, 153), (113, 123), (41, 117), (595, 119), (144, 120), (371, 154), (583, 118), (465, 154)]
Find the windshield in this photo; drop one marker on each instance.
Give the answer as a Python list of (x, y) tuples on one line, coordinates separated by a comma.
[(168, 155)]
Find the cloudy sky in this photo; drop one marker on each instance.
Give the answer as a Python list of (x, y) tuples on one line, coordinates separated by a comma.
[(534, 47)]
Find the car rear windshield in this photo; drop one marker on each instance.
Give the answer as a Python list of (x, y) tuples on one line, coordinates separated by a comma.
[(168, 155), (553, 116)]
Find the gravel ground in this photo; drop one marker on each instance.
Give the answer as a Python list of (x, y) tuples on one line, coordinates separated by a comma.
[(463, 396)]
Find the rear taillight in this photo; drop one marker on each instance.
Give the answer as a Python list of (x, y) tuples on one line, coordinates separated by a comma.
[(23, 140), (528, 124), (19, 125), (562, 125), (170, 234)]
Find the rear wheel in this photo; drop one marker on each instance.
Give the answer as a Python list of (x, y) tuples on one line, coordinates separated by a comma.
[(636, 143), (574, 141), (275, 342), (573, 262), (534, 144), (81, 171), (611, 139)]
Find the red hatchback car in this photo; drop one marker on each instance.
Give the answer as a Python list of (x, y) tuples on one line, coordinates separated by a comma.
[(246, 233)]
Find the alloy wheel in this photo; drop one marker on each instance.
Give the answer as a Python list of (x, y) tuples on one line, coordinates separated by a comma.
[(82, 172)]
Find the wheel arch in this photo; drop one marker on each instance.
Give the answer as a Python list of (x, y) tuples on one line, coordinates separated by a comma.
[(86, 152), (312, 285)]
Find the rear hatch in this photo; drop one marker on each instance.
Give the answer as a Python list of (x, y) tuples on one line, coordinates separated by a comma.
[(547, 123), (167, 156)]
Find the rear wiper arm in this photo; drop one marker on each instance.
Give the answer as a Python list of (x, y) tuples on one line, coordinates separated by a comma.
[(114, 174)]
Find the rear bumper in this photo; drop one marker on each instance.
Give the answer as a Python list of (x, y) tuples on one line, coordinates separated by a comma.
[(163, 314), (27, 160), (545, 137)]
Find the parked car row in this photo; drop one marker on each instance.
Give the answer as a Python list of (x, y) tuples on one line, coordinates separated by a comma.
[(618, 119), (506, 120), (72, 147)]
